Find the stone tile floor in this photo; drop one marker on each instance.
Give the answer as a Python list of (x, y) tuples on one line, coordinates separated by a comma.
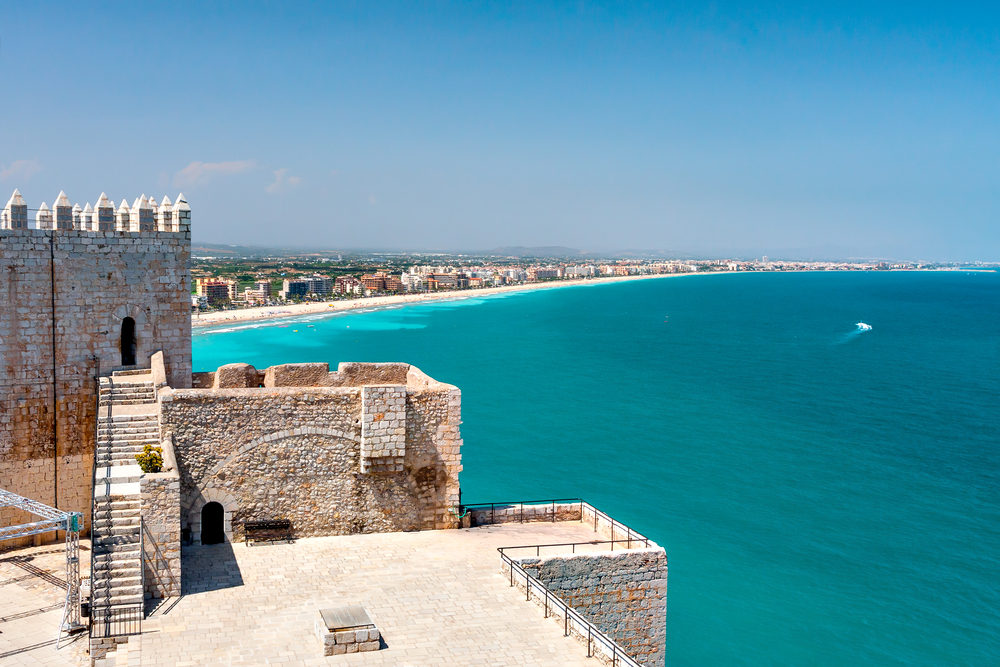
[(437, 596), (32, 592)]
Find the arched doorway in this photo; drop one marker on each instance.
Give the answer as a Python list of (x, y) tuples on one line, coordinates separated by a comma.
[(128, 342), (213, 524)]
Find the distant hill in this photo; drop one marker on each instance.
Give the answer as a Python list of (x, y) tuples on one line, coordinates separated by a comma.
[(540, 251)]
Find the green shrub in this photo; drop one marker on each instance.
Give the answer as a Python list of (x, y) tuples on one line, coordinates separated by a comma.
[(151, 459)]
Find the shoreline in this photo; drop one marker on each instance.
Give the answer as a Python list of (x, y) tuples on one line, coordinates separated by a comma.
[(226, 317)]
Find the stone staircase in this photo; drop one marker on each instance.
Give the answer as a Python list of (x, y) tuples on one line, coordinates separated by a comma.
[(127, 420)]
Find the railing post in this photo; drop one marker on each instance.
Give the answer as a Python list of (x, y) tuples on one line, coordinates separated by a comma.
[(588, 640), (546, 603), (566, 621), (553, 511)]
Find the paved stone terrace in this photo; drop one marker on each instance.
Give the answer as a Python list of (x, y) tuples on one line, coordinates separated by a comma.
[(437, 596), (32, 593)]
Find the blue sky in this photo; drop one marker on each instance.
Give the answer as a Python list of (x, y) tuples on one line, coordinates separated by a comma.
[(791, 129)]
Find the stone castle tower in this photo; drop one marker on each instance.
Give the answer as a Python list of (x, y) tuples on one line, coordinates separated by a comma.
[(84, 292)]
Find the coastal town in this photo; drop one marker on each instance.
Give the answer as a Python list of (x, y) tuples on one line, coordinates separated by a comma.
[(223, 283)]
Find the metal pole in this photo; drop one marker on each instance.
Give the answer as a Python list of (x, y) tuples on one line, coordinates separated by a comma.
[(588, 640)]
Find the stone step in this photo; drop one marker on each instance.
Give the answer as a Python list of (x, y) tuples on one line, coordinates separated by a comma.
[(122, 448), (118, 459), (127, 491), (132, 538), (102, 526), (126, 371), (121, 554), (146, 429), (105, 505), (119, 586), (115, 420), (133, 441), (111, 394), (119, 599), (135, 379), (123, 453), (113, 475)]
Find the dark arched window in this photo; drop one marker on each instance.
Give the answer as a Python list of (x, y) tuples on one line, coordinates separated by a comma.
[(128, 342), (213, 524)]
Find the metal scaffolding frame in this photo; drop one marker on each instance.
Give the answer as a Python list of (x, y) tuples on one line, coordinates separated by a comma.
[(52, 519)]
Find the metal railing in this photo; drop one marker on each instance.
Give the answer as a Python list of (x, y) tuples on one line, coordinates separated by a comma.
[(157, 558), (116, 620), (93, 484), (538, 547), (573, 622), (615, 527), (614, 524), (520, 504)]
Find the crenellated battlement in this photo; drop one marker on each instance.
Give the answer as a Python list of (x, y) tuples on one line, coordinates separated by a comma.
[(144, 215)]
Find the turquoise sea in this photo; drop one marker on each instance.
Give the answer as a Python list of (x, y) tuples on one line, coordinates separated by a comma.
[(826, 496)]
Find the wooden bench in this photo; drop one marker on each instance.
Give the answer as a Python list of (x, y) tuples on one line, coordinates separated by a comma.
[(269, 530)]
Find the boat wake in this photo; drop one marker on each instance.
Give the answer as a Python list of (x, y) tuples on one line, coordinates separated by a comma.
[(859, 329)]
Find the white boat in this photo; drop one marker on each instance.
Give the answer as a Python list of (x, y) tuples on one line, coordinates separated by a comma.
[(864, 327)]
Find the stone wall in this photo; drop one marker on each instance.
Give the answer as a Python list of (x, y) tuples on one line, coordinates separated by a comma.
[(296, 453), (63, 296), (623, 593), (161, 516)]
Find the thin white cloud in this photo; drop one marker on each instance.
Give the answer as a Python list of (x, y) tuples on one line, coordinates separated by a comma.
[(24, 169), (283, 183), (199, 173)]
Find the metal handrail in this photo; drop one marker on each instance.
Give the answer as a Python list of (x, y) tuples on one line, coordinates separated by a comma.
[(538, 547), (521, 503), (598, 514), (631, 535), (93, 483), (572, 618), (158, 557)]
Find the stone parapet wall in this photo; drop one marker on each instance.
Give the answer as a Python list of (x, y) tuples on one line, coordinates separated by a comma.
[(623, 593), (296, 453), (49, 356), (526, 513)]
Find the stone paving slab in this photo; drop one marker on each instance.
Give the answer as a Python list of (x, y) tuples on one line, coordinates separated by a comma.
[(437, 596)]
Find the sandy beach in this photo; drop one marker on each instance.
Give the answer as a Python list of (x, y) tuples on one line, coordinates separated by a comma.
[(277, 312)]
